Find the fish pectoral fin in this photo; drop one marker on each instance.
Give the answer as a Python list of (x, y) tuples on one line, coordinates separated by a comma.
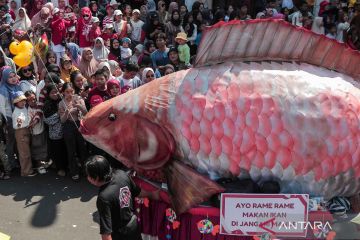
[(187, 188)]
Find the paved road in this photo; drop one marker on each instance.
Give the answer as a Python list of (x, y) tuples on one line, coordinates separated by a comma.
[(48, 207)]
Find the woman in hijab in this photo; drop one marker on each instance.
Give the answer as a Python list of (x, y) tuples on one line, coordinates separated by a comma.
[(73, 52), (22, 21), (148, 75), (115, 52), (173, 6), (88, 64), (173, 27), (163, 14), (94, 8), (42, 18), (67, 67), (9, 85), (143, 13), (151, 6), (106, 67), (52, 119), (100, 52)]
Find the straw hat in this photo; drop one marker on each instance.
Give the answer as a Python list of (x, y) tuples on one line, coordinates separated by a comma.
[(182, 36), (19, 97)]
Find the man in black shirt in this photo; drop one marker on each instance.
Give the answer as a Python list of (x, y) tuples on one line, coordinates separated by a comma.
[(115, 202)]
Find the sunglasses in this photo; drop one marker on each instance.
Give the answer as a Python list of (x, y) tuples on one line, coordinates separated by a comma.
[(25, 70), (86, 15), (150, 76)]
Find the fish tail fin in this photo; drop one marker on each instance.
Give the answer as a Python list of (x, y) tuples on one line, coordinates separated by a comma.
[(188, 188)]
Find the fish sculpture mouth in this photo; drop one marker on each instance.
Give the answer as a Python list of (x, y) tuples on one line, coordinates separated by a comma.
[(83, 130)]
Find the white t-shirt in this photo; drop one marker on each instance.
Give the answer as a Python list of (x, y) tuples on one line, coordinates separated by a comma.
[(125, 52), (20, 118), (136, 30)]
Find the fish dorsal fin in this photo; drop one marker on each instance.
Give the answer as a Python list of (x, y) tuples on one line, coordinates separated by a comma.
[(274, 40)]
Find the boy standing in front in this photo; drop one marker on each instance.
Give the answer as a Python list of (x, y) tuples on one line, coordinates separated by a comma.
[(183, 48), (21, 122), (38, 135)]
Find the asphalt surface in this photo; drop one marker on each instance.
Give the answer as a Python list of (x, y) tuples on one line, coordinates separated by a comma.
[(48, 207)]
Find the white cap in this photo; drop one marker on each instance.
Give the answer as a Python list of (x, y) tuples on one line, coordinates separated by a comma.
[(117, 12), (55, 11), (71, 29), (136, 11), (95, 20), (113, 2), (109, 25)]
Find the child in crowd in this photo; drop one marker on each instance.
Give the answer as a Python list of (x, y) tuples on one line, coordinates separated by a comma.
[(38, 134), (94, 31), (121, 26), (95, 100), (332, 31), (109, 18), (100, 89), (67, 68), (113, 88), (183, 48), (125, 49), (138, 52), (51, 78), (136, 26), (21, 123), (128, 79), (108, 34), (50, 58), (115, 69), (70, 32)]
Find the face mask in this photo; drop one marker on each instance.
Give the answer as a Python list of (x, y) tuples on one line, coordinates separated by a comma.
[(86, 18)]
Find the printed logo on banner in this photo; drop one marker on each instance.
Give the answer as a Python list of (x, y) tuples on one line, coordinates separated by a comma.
[(256, 214), (124, 197)]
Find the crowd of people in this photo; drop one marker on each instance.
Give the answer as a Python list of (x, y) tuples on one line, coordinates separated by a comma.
[(102, 50)]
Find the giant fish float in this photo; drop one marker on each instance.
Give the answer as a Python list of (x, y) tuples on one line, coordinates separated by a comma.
[(264, 100)]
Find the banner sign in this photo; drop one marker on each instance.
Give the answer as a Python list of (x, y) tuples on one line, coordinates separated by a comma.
[(284, 215)]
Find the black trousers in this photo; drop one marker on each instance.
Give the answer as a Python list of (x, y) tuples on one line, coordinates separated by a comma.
[(10, 143), (75, 146), (58, 153)]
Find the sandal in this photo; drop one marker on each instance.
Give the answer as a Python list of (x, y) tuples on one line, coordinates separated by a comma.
[(75, 177), (6, 176)]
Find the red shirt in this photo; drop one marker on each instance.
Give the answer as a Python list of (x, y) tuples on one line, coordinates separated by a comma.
[(58, 29), (95, 91), (93, 34)]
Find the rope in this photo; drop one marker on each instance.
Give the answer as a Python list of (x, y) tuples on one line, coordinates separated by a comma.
[(61, 96)]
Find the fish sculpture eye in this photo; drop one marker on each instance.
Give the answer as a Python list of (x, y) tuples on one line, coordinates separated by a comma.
[(112, 117)]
